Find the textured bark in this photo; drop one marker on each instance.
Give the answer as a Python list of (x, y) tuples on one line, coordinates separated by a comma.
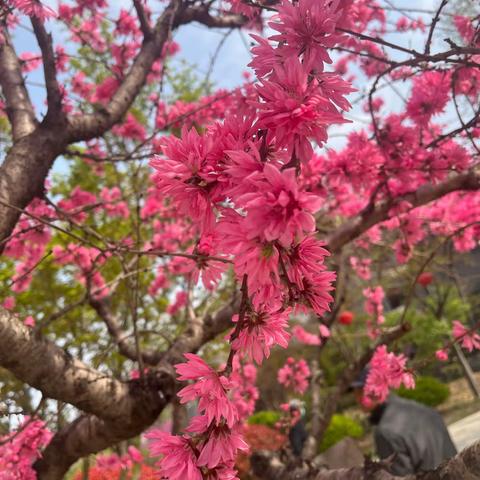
[(58, 375), (464, 466), (17, 101), (23, 174), (90, 434)]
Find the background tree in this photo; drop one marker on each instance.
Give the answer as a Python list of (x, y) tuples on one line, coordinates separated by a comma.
[(102, 259)]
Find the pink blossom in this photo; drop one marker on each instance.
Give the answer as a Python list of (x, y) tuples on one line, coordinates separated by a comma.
[(313, 291), (186, 176), (307, 28), (181, 300), (20, 449), (261, 330), (294, 375), (430, 94), (441, 355), (34, 8), (9, 303), (130, 128), (277, 210), (469, 340), (361, 267), (305, 337), (294, 109), (30, 61), (29, 321), (209, 387), (324, 331), (220, 446), (374, 303), (178, 460), (387, 370)]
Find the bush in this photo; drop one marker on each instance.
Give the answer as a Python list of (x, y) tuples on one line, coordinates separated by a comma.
[(428, 390), (264, 417), (340, 427)]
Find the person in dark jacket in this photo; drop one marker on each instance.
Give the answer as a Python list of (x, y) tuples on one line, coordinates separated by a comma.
[(416, 434), (297, 433)]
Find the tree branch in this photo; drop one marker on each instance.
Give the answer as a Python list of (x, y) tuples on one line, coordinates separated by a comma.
[(143, 19), (85, 127), (18, 105), (355, 227), (202, 15), (119, 336), (89, 434), (58, 375), (201, 331), (54, 96)]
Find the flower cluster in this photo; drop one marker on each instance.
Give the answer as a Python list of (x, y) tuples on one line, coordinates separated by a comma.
[(239, 184), (387, 371), (19, 450), (209, 448), (294, 375), (469, 339)]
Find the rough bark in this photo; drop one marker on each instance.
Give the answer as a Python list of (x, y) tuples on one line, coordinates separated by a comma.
[(464, 466), (114, 410), (17, 101), (23, 174), (58, 375)]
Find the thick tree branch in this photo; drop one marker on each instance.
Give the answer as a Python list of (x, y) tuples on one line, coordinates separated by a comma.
[(201, 14), (54, 96), (84, 127), (18, 105), (355, 227), (58, 375), (23, 174), (90, 434)]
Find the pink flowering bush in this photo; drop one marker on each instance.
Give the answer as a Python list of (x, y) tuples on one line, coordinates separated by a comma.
[(20, 448), (294, 375), (387, 371)]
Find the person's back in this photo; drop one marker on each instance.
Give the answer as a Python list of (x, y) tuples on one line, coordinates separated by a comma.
[(414, 432)]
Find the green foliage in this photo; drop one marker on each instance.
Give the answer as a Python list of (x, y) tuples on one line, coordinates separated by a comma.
[(431, 319), (428, 390), (340, 427), (264, 417)]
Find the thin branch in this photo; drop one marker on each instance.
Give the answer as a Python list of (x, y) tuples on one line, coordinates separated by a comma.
[(54, 95), (143, 19), (425, 194)]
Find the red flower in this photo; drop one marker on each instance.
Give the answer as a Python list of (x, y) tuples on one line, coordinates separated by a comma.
[(346, 317), (425, 278)]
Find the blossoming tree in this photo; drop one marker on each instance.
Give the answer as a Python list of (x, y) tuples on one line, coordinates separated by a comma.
[(223, 216)]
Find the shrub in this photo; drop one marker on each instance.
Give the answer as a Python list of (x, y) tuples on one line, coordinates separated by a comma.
[(428, 390), (264, 417), (340, 427), (258, 437)]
